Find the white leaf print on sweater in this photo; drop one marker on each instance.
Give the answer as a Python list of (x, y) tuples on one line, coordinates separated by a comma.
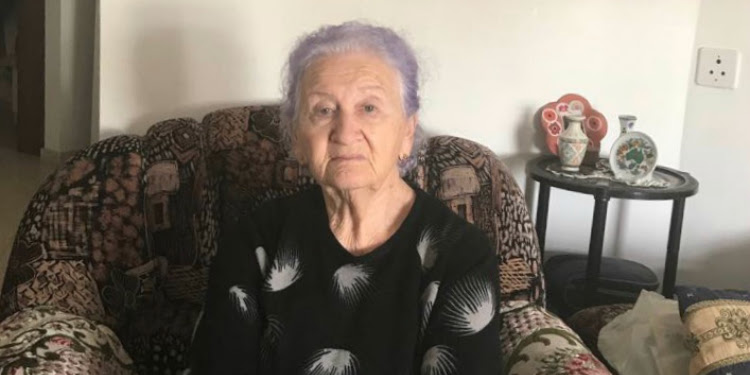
[(260, 254), (271, 337), (438, 360), (431, 241), (351, 282), (470, 306), (427, 249), (243, 302), (286, 269), (197, 323), (332, 362), (428, 301)]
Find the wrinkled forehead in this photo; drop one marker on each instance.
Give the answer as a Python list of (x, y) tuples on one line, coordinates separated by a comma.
[(361, 71)]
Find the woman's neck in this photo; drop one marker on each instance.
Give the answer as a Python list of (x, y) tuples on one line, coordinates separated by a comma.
[(363, 219)]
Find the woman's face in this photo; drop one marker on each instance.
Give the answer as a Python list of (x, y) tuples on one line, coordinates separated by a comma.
[(352, 126)]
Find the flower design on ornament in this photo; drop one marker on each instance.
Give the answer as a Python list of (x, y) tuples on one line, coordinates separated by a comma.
[(554, 128)]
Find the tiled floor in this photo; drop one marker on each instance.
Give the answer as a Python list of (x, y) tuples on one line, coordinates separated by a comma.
[(20, 176)]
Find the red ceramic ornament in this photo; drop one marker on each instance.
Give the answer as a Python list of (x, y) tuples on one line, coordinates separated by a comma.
[(595, 124)]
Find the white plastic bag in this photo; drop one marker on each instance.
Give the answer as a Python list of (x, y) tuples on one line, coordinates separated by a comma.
[(649, 339)]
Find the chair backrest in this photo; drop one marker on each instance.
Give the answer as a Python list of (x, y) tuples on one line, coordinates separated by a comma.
[(124, 232)]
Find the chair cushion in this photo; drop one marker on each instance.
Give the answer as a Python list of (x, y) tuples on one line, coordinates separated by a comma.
[(84, 225), (719, 326), (537, 342), (44, 340), (159, 339), (588, 322), (474, 183)]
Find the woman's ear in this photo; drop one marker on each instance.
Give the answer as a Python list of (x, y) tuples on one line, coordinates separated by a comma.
[(296, 150), (410, 132)]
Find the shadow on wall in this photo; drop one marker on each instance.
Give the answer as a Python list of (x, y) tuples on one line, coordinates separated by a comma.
[(79, 134), (184, 65), (724, 265), (530, 144)]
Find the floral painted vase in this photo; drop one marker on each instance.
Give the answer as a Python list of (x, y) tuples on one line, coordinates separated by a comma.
[(595, 124), (633, 156), (572, 143)]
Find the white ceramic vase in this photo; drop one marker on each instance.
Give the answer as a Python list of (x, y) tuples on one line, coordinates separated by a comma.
[(634, 154), (572, 143)]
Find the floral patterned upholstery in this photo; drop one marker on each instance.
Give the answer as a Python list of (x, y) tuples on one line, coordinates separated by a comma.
[(537, 342), (44, 340), (123, 233)]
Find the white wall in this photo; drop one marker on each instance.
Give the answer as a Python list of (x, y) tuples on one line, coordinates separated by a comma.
[(488, 66), (69, 46), (716, 249)]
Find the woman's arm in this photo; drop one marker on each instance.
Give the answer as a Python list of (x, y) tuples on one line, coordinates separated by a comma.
[(227, 337), (462, 327)]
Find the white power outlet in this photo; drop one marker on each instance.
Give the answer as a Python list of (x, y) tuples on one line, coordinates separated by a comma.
[(718, 67)]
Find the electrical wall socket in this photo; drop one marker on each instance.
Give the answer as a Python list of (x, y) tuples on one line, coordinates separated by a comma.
[(718, 67)]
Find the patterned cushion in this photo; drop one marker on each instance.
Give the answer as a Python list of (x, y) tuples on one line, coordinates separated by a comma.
[(537, 342), (719, 326), (80, 236), (159, 339), (44, 340), (588, 322), (470, 179)]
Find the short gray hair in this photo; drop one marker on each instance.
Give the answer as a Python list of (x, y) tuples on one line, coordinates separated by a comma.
[(347, 37)]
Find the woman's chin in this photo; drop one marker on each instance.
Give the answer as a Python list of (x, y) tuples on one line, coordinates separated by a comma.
[(350, 180)]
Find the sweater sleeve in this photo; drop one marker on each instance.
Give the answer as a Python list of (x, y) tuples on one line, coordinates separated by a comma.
[(227, 337), (462, 333)]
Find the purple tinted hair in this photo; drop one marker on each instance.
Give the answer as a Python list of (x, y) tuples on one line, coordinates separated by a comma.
[(348, 37)]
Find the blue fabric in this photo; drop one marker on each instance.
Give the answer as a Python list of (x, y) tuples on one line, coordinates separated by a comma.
[(728, 312), (690, 295)]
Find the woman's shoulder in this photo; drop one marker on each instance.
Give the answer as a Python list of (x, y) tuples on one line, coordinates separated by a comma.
[(437, 213), (458, 241)]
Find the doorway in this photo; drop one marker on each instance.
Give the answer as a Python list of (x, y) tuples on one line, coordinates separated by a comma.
[(22, 75)]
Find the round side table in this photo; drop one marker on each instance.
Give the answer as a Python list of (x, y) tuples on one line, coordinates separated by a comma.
[(680, 185)]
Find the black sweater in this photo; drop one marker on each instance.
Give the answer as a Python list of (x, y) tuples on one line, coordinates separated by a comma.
[(284, 297)]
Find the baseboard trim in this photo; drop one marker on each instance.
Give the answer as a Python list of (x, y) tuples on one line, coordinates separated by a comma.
[(54, 157)]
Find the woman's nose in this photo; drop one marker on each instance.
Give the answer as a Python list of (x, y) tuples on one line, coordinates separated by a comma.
[(346, 129)]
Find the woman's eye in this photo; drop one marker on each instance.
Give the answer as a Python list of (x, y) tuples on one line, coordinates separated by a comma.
[(369, 108), (325, 111)]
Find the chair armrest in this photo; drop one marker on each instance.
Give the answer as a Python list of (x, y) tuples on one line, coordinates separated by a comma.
[(537, 342), (44, 340)]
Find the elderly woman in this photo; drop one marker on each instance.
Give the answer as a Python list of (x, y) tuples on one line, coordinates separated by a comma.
[(363, 274)]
